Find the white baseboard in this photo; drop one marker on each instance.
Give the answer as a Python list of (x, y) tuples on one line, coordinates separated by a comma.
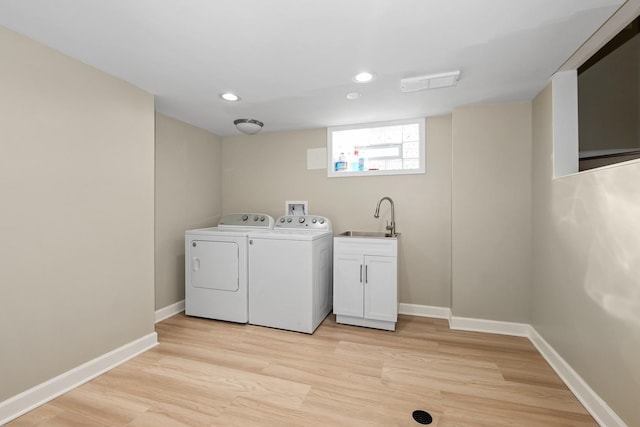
[(170, 310), (425, 311), (598, 408), (44, 392), (489, 326)]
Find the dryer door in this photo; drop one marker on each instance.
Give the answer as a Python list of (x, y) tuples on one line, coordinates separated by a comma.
[(214, 265)]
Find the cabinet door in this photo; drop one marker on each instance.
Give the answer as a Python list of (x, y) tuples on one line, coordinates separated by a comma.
[(347, 285), (381, 288)]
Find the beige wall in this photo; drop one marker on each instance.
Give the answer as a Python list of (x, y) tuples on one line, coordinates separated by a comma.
[(586, 269), (188, 195), (76, 223), (491, 211), (262, 171)]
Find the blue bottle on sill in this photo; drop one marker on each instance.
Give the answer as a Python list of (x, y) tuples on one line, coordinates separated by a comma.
[(360, 163), (341, 164), (353, 163)]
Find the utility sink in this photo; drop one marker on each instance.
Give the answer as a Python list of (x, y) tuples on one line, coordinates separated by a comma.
[(370, 234)]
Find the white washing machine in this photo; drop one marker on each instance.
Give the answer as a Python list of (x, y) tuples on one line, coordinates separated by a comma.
[(290, 274), (216, 267)]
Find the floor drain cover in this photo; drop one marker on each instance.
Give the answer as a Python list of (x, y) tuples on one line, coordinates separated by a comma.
[(423, 417)]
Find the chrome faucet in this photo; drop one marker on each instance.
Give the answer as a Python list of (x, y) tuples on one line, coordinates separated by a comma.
[(391, 227)]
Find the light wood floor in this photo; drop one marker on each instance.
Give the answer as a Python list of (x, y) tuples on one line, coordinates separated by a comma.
[(213, 373)]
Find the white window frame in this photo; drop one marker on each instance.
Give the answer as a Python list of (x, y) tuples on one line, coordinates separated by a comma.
[(332, 173)]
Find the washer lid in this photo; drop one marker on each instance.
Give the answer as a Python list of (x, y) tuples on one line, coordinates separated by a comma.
[(282, 234)]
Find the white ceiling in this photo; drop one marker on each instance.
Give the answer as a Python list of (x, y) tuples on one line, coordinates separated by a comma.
[(292, 61)]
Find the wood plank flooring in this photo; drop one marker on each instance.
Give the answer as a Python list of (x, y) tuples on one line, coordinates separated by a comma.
[(211, 373)]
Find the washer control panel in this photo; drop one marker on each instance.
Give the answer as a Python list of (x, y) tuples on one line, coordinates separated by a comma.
[(303, 222), (253, 220)]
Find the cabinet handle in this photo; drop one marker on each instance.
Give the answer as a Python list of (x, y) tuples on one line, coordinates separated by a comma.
[(366, 274), (360, 273)]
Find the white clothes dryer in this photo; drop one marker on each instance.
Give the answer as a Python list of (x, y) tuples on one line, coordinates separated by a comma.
[(290, 273), (216, 267)]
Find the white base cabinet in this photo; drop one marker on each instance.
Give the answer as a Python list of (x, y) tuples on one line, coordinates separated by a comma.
[(365, 281)]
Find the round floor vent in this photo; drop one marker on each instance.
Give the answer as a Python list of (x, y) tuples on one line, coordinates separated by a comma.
[(422, 417)]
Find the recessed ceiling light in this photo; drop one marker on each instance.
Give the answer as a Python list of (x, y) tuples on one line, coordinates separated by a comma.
[(353, 95), (229, 96), (363, 77)]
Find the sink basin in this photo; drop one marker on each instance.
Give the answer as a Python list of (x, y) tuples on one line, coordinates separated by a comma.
[(373, 234)]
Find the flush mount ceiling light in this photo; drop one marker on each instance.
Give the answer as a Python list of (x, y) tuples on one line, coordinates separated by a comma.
[(432, 81), (248, 126), (229, 96), (363, 77)]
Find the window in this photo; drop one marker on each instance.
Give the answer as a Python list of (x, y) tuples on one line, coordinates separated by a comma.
[(609, 102), (595, 107), (384, 148)]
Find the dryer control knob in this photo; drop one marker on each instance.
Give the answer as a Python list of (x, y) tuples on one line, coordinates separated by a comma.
[(289, 219), (255, 218), (262, 219), (321, 221), (245, 217), (282, 219), (314, 220), (301, 220)]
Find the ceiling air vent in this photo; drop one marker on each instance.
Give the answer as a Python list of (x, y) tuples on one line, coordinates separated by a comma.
[(433, 81)]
